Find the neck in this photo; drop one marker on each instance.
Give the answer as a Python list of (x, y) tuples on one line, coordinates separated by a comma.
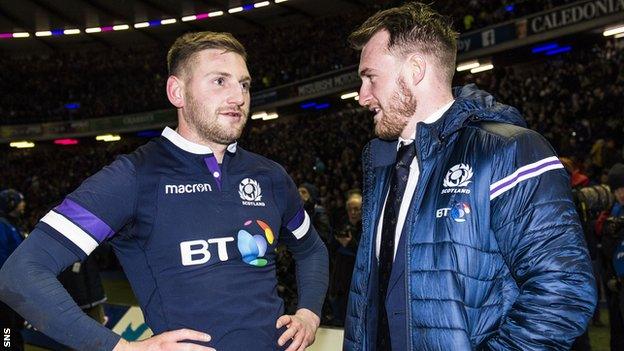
[(426, 107), (191, 134)]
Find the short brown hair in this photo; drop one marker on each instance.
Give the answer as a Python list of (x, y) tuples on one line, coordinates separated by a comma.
[(189, 44), (413, 27)]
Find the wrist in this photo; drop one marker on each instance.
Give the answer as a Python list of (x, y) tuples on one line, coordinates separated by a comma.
[(122, 345), (309, 316)]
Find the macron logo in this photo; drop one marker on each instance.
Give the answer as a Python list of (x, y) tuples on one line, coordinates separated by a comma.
[(187, 188)]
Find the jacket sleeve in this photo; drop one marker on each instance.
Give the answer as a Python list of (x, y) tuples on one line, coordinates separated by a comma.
[(9, 240), (540, 237)]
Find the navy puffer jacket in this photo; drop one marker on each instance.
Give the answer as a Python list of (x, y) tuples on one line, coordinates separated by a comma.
[(495, 256)]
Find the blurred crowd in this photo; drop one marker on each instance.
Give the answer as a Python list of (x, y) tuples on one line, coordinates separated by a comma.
[(72, 85)]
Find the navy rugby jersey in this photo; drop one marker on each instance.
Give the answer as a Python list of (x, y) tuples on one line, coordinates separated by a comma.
[(196, 238)]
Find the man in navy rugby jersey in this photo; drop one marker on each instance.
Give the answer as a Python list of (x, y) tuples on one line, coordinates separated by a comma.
[(194, 220)]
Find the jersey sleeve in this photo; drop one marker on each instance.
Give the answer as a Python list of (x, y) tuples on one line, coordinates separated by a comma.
[(29, 284), (541, 240), (96, 210), (299, 235), (295, 220)]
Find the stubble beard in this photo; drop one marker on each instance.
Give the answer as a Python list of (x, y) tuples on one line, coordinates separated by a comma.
[(396, 117), (206, 124)]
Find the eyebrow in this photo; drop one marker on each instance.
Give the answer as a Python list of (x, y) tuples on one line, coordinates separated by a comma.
[(228, 75)]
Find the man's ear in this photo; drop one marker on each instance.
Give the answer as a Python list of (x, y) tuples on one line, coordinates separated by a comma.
[(175, 91), (418, 67)]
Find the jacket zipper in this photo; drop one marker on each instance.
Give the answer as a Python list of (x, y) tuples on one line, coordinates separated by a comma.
[(410, 221)]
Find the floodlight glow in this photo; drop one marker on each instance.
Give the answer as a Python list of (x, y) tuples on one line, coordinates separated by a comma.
[(141, 25), (168, 21), (67, 141), (278, 1), (43, 33), (271, 116), (349, 95), (22, 144), (322, 106), (189, 18), (121, 27), (464, 66), (236, 9), (544, 47), (261, 4), (108, 137), (482, 68), (71, 31), (93, 30), (617, 36), (215, 14), (259, 115), (613, 30), (559, 50)]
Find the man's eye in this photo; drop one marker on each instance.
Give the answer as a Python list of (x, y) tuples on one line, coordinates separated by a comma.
[(246, 86), (220, 81)]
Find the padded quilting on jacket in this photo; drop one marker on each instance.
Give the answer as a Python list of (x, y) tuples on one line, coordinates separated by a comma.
[(496, 258)]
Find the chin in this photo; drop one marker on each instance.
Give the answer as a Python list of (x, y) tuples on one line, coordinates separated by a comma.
[(384, 133)]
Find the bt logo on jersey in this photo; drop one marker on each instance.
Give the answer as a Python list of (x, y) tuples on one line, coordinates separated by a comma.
[(196, 252), (253, 247)]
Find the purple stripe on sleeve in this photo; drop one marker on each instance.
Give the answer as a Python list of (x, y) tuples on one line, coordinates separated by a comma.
[(213, 167), (86, 220), (523, 173), (297, 220)]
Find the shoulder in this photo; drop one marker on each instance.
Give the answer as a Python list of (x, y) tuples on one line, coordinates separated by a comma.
[(260, 163), (154, 149), (504, 138), (505, 132)]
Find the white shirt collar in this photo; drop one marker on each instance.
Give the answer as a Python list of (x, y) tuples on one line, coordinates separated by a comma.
[(431, 119), (190, 146)]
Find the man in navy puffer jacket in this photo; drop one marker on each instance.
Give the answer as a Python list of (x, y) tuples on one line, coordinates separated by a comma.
[(470, 240)]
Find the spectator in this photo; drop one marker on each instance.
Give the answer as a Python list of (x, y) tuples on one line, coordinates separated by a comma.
[(309, 194), (11, 208), (344, 249)]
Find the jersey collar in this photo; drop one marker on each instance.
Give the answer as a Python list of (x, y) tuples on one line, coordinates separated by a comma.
[(190, 146)]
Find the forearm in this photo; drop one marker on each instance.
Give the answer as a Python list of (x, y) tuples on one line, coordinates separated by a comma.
[(29, 284), (312, 275)]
